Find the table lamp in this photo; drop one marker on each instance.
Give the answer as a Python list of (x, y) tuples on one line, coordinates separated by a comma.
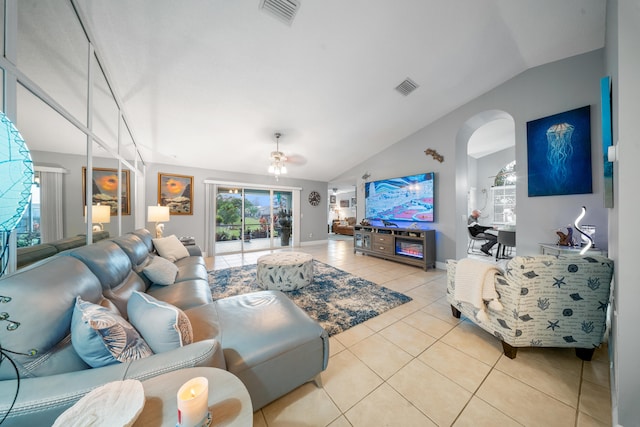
[(158, 214), (99, 215)]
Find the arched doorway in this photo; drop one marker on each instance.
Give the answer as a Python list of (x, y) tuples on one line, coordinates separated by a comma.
[(482, 135)]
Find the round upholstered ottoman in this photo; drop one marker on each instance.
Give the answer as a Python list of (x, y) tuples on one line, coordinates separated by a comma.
[(285, 271)]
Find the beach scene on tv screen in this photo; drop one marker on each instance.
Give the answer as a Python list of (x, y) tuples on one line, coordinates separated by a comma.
[(408, 198)]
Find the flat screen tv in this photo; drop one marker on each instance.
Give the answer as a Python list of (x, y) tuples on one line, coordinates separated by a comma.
[(404, 200)]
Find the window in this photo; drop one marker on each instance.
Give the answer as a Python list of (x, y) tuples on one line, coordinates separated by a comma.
[(28, 230), (504, 195), (504, 204)]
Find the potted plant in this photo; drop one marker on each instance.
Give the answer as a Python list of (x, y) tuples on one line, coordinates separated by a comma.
[(284, 219)]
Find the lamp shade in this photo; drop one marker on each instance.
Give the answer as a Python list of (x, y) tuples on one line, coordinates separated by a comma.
[(158, 214), (100, 214), (16, 175)]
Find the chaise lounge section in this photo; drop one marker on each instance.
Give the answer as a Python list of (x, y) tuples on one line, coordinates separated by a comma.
[(263, 338)]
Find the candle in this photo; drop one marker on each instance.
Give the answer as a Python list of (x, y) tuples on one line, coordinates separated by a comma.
[(193, 402)]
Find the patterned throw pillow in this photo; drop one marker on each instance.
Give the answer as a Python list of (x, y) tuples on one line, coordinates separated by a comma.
[(162, 325), (170, 248), (161, 271), (101, 337)]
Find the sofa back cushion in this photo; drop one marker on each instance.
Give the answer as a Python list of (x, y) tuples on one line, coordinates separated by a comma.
[(146, 237), (113, 268), (135, 248), (40, 300)]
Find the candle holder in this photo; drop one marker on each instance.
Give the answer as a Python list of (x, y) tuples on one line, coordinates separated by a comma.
[(193, 403), (205, 422)]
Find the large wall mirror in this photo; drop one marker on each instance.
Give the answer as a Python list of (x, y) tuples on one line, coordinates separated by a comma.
[(75, 143)]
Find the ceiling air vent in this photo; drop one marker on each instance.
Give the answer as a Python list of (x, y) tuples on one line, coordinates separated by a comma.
[(284, 10), (407, 86)]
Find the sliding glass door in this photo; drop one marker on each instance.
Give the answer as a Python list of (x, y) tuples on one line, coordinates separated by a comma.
[(251, 219)]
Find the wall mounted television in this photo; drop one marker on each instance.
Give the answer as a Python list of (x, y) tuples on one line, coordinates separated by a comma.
[(402, 201)]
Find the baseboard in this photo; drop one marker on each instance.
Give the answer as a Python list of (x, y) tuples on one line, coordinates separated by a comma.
[(314, 242)]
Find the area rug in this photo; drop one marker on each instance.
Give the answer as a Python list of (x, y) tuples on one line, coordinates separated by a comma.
[(336, 299)]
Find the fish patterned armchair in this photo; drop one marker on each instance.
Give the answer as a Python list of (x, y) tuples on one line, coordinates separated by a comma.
[(547, 301)]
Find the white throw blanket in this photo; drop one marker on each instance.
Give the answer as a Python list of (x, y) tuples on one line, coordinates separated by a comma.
[(475, 283)]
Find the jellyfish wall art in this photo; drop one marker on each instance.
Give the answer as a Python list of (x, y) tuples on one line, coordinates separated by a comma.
[(559, 154)]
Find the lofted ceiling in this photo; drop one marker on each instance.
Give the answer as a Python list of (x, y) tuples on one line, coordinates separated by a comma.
[(207, 83)]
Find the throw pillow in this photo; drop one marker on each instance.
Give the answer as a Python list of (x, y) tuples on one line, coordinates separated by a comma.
[(161, 271), (170, 248), (101, 337), (162, 325)]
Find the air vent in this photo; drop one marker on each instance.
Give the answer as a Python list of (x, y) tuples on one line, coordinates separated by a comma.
[(284, 10), (407, 86)]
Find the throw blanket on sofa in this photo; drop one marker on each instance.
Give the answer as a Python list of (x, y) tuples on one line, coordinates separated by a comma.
[(475, 283)]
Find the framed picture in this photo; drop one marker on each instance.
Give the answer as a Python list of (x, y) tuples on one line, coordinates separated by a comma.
[(344, 203), (332, 199), (176, 191), (559, 154), (105, 189), (353, 202)]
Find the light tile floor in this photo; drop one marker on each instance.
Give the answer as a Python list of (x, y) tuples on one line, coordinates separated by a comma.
[(416, 365)]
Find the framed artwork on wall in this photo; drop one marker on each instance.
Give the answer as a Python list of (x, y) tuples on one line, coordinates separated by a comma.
[(332, 199), (559, 154), (353, 202), (105, 189), (176, 191), (344, 203)]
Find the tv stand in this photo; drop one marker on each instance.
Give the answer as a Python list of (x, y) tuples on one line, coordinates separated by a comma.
[(406, 245)]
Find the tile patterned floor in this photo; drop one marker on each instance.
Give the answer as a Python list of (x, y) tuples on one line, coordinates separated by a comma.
[(416, 365)]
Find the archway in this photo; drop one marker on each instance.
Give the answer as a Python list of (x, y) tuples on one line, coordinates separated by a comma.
[(463, 180)]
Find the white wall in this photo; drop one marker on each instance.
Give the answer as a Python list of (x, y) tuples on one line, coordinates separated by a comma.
[(313, 224), (343, 213), (623, 64), (536, 93)]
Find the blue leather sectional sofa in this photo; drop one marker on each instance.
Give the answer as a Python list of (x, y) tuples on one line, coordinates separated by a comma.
[(263, 338)]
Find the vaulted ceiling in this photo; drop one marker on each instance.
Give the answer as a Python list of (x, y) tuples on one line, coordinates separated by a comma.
[(207, 83)]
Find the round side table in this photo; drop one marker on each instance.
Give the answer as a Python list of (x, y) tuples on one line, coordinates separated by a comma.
[(229, 400)]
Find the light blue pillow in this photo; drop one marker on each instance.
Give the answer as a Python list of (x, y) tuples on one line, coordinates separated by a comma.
[(161, 271), (162, 325), (101, 337)]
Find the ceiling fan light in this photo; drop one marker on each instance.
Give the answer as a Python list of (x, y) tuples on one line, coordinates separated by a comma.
[(278, 158)]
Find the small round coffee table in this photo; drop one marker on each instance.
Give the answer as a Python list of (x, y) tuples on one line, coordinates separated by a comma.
[(285, 271), (229, 400)]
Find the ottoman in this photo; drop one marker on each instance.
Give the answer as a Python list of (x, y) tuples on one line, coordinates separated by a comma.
[(285, 271)]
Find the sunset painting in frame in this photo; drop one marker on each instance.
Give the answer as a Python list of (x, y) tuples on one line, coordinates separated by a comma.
[(105, 189), (176, 191)]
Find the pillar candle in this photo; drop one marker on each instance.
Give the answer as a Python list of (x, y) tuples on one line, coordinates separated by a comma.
[(193, 402)]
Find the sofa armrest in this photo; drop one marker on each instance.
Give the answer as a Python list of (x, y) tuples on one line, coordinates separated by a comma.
[(42, 399), (194, 250)]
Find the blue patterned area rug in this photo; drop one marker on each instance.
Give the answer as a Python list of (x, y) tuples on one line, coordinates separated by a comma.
[(336, 299)]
